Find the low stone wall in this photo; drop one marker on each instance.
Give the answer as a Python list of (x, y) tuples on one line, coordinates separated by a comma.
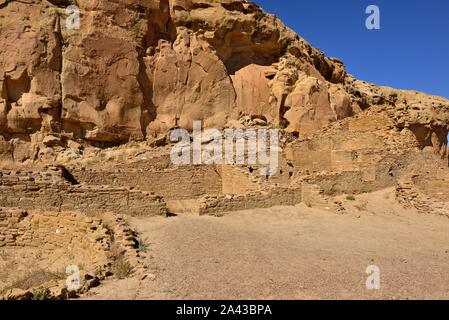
[(355, 182), (86, 238), (89, 238), (236, 180), (91, 243), (411, 196), (50, 191), (177, 182), (50, 175), (217, 205)]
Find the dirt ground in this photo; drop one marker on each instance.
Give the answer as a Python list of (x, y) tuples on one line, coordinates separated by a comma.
[(25, 267), (293, 253)]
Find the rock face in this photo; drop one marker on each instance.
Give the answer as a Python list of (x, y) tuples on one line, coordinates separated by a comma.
[(135, 69)]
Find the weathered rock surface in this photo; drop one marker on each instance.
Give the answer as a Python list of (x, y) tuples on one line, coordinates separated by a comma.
[(135, 69)]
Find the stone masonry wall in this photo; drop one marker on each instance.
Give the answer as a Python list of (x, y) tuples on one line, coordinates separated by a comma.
[(91, 243), (236, 181), (411, 195), (49, 192), (84, 237), (183, 182), (217, 205)]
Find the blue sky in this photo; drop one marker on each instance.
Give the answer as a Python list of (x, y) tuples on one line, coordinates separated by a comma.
[(410, 51)]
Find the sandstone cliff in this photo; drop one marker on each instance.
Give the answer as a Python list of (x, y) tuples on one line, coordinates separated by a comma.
[(135, 69)]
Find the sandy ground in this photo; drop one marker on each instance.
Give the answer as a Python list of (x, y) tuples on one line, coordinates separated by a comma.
[(292, 253), (17, 263)]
